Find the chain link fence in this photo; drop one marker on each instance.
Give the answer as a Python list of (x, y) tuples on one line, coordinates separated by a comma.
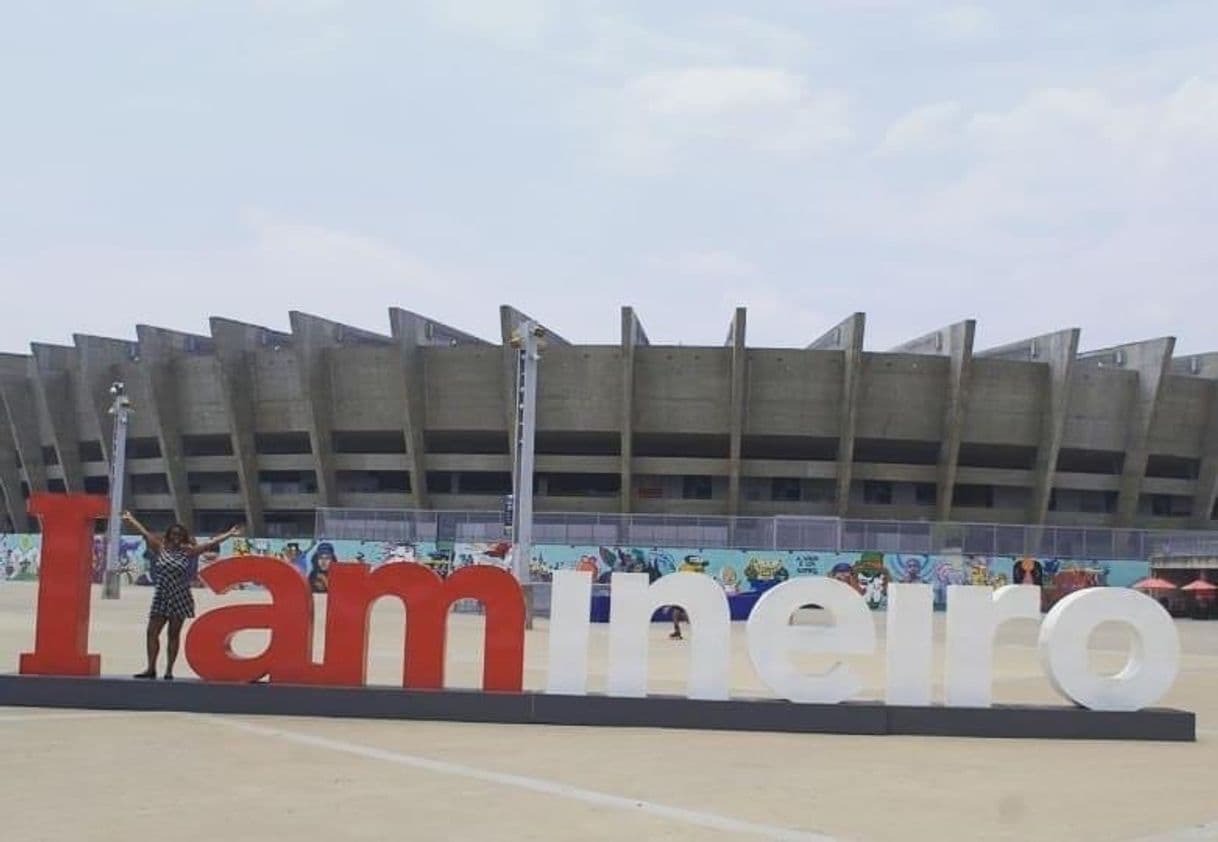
[(767, 533)]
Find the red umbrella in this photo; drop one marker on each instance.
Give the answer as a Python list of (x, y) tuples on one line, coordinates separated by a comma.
[(1201, 586), (1154, 584)]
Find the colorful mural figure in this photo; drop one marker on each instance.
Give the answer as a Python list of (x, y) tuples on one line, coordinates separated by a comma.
[(743, 574)]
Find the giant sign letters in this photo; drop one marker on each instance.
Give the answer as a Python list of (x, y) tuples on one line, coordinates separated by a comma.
[(973, 616)]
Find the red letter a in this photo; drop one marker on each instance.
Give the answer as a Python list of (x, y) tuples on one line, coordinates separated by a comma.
[(61, 638), (289, 617)]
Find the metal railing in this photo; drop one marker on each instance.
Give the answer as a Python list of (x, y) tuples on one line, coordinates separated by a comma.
[(783, 532)]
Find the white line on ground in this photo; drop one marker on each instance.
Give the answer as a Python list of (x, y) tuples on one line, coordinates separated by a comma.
[(33, 717), (1196, 833), (600, 799)]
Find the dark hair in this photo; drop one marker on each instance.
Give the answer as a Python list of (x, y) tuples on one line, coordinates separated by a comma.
[(185, 533)]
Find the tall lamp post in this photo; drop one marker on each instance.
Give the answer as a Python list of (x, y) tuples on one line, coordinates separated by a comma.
[(527, 342), (120, 408)]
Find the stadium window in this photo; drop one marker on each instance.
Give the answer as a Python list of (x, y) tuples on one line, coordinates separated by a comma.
[(1170, 505), (50, 456), (819, 490), (457, 441), (696, 487), (925, 493), (581, 485), (896, 451), (287, 482), (785, 489), (1002, 456), (440, 482), (368, 441), (788, 447), (684, 445), (97, 485), (973, 496), (149, 484), (373, 482), (484, 482), (208, 445), (1172, 467), (877, 492), (213, 482), (143, 448), (1076, 461), (276, 444), (91, 451), (578, 444)]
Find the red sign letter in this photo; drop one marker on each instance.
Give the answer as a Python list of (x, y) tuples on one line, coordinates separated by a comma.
[(61, 638), (289, 616), (428, 598)]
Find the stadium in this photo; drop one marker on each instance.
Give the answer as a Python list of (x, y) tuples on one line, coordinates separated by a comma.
[(265, 427)]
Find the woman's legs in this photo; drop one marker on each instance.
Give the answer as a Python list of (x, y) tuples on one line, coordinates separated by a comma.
[(153, 644), (171, 650)]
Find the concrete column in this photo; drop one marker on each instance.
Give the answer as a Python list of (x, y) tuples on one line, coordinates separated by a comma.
[(846, 337), (413, 333), (312, 339), (18, 411), (10, 474), (235, 343), (10, 482), (1151, 360), (633, 336), (1205, 366), (1058, 351), (55, 370), (159, 349), (736, 338), (956, 343)]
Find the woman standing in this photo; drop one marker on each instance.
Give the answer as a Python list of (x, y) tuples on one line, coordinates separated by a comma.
[(172, 570)]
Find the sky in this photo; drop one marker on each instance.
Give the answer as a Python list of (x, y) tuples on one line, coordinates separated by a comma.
[(1031, 164)]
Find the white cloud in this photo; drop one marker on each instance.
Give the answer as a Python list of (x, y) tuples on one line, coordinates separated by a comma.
[(512, 24), (761, 109), (925, 127), (961, 24)]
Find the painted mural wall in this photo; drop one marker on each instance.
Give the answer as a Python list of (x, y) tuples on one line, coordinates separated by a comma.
[(742, 573)]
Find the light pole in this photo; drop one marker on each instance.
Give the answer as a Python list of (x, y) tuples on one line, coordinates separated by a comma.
[(527, 342), (120, 408)]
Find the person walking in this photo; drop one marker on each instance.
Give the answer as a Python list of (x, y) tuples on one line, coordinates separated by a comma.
[(173, 562)]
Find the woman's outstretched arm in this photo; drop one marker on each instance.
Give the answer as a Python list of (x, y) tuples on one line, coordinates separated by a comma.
[(214, 543), (154, 541)]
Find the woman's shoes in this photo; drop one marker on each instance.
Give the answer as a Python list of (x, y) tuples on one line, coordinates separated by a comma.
[(169, 676), (145, 674)]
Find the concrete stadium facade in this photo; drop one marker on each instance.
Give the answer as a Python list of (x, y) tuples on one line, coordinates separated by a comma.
[(261, 426)]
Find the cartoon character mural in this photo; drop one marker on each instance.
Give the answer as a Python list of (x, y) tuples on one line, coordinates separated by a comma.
[(763, 574), (872, 579), (739, 572)]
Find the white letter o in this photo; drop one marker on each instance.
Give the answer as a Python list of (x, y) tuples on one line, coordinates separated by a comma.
[(1147, 675)]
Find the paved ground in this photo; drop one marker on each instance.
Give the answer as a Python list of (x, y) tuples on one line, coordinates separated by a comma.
[(68, 775)]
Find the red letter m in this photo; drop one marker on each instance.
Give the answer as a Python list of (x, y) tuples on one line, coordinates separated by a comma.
[(428, 598)]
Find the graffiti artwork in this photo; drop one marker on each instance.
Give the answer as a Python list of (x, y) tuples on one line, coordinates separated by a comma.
[(743, 573)]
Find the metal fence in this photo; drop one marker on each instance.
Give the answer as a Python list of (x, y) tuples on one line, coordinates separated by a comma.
[(768, 533)]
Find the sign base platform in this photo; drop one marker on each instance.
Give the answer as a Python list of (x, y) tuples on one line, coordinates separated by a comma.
[(862, 718)]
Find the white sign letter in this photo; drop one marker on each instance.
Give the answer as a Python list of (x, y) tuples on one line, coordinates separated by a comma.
[(909, 644), (570, 603), (772, 638), (632, 601), (974, 613), (1152, 665)]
